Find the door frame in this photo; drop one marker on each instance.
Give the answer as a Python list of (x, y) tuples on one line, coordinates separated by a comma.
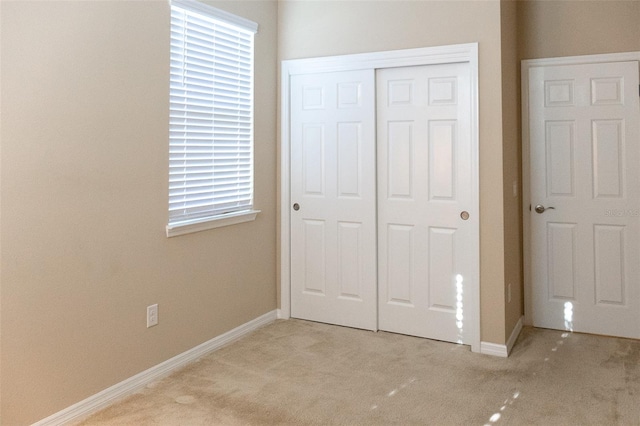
[(528, 64), (459, 53)]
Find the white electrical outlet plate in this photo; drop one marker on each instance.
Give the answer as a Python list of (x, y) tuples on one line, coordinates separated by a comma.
[(152, 315)]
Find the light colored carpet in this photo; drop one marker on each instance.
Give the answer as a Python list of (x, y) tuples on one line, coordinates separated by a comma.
[(303, 373)]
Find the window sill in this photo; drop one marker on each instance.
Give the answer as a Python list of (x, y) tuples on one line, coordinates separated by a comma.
[(190, 226)]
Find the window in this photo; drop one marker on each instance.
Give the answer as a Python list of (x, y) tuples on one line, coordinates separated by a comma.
[(211, 118)]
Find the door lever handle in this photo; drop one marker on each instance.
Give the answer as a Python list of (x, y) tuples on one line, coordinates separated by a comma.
[(540, 208)]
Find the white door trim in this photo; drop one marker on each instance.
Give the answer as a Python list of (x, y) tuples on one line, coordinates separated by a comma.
[(376, 60), (528, 64)]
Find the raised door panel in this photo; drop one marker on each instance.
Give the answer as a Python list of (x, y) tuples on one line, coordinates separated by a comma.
[(313, 159), (442, 269), (561, 246), (560, 168), (400, 154), (608, 167), (314, 247), (349, 159), (442, 159), (610, 277), (350, 265), (400, 260)]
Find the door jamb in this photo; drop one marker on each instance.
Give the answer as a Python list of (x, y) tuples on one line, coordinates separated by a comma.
[(460, 53), (527, 64)]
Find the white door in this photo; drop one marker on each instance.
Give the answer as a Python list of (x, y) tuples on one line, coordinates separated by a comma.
[(427, 212), (333, 211), (585, 180)]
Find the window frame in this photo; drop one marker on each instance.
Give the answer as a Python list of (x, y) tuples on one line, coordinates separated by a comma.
[(184, 224)]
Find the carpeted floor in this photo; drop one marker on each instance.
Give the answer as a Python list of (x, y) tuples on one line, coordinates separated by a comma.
[(303, 373)]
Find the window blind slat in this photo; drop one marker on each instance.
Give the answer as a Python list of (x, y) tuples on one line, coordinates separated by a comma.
[(211, 118)]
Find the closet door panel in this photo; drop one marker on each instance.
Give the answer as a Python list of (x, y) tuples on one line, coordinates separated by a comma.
[(333, 211)]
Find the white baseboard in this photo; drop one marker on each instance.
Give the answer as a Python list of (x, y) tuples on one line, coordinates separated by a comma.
[(514, 334), (129, 386), (503, 351), (493, 349)]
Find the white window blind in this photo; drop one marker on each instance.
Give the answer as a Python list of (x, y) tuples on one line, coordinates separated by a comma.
[(211, 114)]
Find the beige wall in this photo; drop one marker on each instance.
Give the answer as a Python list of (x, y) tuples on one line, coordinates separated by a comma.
[(512, 155), (568, 28), (84, 136), (312, 28)]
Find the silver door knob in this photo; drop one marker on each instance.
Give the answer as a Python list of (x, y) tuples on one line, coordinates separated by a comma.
[(296, 206), (540, 208)]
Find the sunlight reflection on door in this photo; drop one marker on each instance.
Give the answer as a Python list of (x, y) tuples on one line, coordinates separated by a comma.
[(568, 316), (459, 308)]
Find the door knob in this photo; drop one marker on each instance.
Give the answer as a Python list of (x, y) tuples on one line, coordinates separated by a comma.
[(296, 206), (540, 208)]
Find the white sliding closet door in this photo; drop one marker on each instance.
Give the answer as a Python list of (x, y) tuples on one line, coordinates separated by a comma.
[(427, 216), (333, 200), (380, 213)]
